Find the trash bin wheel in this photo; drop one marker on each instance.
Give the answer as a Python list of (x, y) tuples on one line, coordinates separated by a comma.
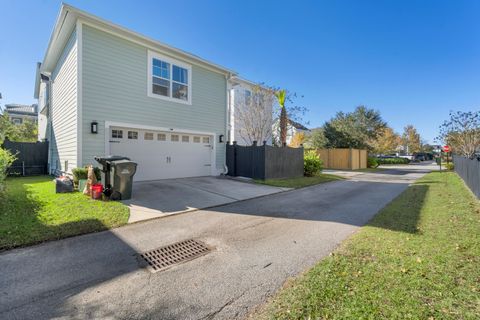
[(116, 196)]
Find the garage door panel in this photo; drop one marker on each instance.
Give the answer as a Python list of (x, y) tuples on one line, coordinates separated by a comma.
[(162, 158)]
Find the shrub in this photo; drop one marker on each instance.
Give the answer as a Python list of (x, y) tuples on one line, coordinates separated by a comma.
[(372, 162), (6, 160), (312, 164), (449, 166), (82, 173), (393, 160)]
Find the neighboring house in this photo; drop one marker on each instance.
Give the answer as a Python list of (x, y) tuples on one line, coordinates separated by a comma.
[(19, 113), (106, 90), (292, 129), (249, 120)]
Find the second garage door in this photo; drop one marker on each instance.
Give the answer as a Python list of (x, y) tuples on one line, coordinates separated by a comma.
[(163, 155)]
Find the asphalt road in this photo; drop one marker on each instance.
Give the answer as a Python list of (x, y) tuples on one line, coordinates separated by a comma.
[(257, 245)]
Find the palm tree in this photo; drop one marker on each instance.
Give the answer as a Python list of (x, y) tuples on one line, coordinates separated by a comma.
[(281, 96)]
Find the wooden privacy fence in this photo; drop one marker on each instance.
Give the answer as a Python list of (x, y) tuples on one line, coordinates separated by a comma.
[(264, 162), (469, 171), (350, 159), (32, 157)]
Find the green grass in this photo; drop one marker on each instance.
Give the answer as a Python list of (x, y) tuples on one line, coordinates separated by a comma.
[(419, 258), (31, 212), (300, 182)]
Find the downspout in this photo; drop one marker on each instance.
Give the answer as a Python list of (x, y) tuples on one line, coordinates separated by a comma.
[(50, 123), (227, 122)]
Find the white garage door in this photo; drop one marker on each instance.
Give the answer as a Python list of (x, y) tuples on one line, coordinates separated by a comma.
[(163, 155)]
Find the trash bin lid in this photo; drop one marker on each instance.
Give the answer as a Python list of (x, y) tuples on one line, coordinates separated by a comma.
[(110, 158), (125, 167), (122, 161)]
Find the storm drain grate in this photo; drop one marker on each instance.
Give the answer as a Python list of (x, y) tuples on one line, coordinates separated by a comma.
[(165, 257)]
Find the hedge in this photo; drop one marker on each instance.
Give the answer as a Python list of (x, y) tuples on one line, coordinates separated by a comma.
[(393, 160)]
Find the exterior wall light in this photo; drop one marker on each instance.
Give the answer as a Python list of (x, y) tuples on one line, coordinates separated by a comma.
[(94, 127), (220, 138)]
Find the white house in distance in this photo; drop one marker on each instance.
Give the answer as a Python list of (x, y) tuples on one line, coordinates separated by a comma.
[(106, 90), (292, 129), (242, 120)]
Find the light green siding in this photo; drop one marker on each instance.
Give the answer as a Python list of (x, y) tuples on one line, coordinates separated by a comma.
[(63, 141), (115, 89)]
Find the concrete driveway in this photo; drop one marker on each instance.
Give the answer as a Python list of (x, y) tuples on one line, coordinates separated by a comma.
[(153, 199), (257, 245)]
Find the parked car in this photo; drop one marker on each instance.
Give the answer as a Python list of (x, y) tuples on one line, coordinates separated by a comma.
[(408, 156), (382, 156), (419, 157)]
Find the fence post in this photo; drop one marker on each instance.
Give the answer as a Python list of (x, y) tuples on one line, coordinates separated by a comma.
[(234, 169), (23, 168)]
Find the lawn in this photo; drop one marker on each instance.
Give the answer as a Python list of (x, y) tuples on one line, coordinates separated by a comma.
[(300, 182), (419, 258), (31, 212)]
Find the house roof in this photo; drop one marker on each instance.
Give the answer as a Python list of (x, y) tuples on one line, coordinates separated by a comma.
[(236, 80), (67, 20), (21, 109), (297, 125)]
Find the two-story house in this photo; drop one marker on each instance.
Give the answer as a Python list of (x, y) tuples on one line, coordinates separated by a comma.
[(106, 90), (250, 112), (19, 113)]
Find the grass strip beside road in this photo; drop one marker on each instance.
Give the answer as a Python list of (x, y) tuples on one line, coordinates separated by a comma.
[(419, 258)]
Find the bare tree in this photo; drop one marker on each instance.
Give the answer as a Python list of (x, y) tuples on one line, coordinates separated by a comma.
[(462, 132), (253, 114)]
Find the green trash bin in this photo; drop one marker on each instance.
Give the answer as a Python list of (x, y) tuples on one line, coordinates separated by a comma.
[(122, 179)]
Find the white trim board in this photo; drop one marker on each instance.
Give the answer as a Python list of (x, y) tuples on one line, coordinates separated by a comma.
[(79, 94)]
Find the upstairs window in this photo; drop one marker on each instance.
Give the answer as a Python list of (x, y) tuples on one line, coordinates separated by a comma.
[(17, 120), (248, 97), (169, 79)]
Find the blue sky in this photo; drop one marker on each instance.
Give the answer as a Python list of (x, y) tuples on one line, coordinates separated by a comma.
[(412, 60)]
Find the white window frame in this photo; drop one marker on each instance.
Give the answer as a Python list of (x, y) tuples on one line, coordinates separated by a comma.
[(17, 120), (148, 133), (118, 131), (153, 55), (134, 134)]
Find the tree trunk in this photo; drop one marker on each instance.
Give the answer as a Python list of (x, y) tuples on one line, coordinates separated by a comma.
[(283, 126)]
